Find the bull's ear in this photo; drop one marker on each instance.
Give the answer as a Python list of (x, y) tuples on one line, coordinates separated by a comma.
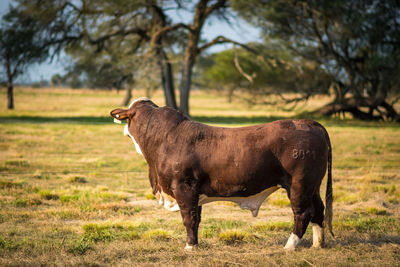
[(120, 114)]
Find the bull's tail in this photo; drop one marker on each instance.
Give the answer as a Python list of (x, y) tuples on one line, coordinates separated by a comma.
[(329, 191)]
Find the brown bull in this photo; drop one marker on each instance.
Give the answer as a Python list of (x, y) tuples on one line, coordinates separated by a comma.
[(191, 164)]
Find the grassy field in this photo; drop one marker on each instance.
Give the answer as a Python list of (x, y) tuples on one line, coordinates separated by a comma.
[(73, 191)]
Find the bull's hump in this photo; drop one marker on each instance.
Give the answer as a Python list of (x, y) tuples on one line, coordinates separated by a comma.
[(293, 125)]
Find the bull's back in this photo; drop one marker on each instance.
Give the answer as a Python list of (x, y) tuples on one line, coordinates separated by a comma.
[(236, 160)]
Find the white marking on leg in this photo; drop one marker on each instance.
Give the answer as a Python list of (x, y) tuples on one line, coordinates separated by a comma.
[(167, 201), (189, 247), (292, 242), (318, 236)]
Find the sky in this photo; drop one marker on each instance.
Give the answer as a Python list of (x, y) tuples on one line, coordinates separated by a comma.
[(240, 31)]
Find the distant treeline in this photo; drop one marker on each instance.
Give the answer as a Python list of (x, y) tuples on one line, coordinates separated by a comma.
[(349, 49)]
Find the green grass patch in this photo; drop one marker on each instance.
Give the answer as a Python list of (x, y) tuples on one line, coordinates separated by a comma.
[(150, 196), (272, 226), (69, 198), (367, 225), (346, 197), (8, 244), (20, 203), (376, 211), (80, 246), (17, 163), (24, 202), (107, 232), (109, 196), (209, 231), (98, 232), (280, 202), (10, 184), (157, 235), (46, 194), (77, 179), (233, 236), (212, 227), (387, 189), (223, 223)]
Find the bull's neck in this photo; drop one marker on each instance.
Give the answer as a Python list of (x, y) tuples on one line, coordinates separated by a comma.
[(154, 126)]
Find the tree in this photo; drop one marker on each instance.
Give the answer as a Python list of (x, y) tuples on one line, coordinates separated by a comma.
[(262, 75), (20, 46), (159, 37), (356, 42), (30, 37)]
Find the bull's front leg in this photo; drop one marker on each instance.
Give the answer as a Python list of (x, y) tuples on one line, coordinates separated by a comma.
[(188, 198)]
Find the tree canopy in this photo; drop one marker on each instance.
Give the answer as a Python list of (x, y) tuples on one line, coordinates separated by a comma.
[(21, 44), (356, 42), (350, 48), (262, 75)]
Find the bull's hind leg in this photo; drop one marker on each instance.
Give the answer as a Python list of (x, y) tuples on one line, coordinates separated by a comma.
[(301, 203), (317, 220)]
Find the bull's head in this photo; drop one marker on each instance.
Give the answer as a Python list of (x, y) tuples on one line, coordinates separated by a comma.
[(120, 114)]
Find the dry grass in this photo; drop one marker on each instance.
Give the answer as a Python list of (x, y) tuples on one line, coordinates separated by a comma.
[(73, 191)]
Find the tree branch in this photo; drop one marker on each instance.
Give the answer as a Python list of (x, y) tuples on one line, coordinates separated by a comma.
[(170, 28), (142, 33), (221, 40), (212, 8), (239, 68)]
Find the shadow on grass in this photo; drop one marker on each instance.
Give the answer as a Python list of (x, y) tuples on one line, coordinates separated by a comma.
[(374, 240), (108, 119), (224, 120), (71, 120)]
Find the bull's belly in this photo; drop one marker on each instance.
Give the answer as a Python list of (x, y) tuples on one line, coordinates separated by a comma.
[(251, 203)]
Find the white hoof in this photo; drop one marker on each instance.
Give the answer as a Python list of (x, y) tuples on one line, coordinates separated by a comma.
[(189, 247), (292, 242), (318, 236)]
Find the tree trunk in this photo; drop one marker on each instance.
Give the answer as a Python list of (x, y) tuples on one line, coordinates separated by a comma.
[(128, 96), (186, 82), (352, 105), (167, 79), (156, 43), (10, 95), (10, 85), (230, 93), (191, 52)]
